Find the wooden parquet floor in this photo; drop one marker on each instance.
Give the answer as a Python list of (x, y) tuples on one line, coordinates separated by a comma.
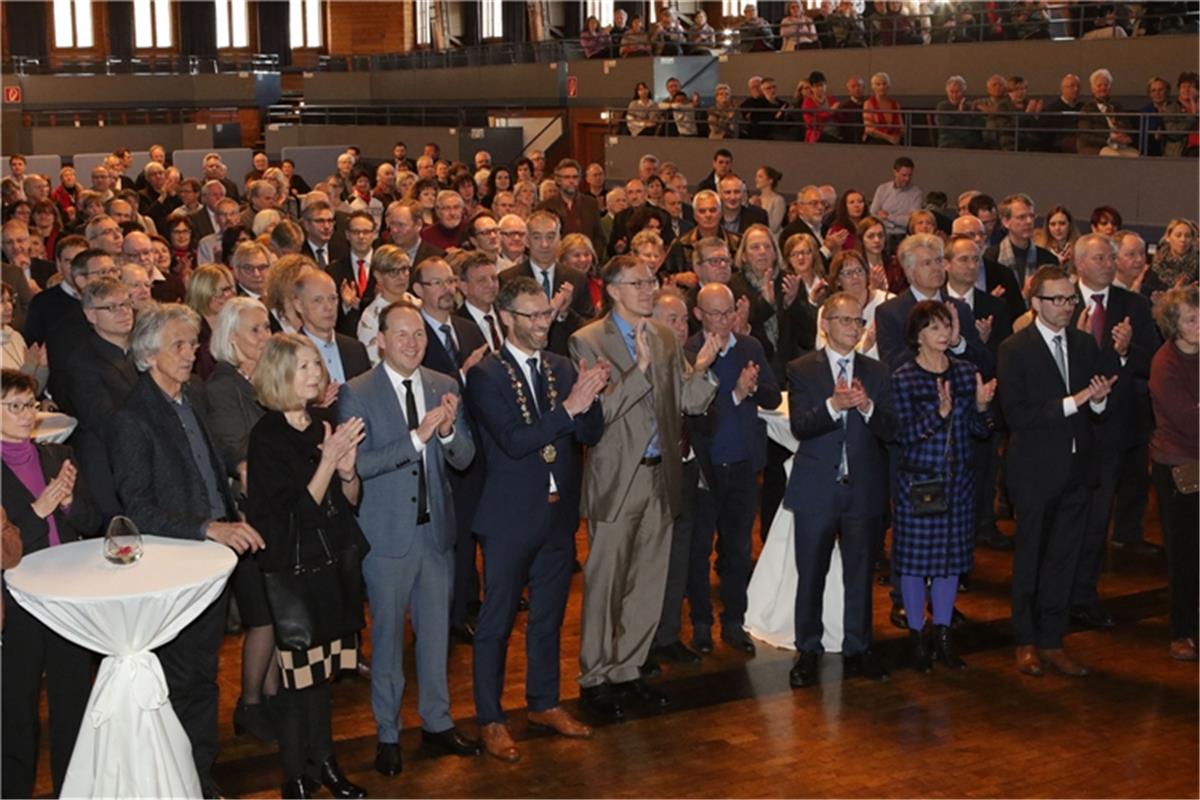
[(736, 729)]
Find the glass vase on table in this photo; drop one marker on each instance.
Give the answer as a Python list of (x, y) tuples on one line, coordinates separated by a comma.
[(122, 541)]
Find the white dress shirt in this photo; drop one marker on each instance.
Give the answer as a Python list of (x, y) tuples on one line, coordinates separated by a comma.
[(834, 369), (1068, 402), (418, 389), (477, 316)]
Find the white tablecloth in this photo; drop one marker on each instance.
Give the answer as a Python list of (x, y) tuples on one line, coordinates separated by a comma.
[(771, 596), (131, 744), (53, 427)]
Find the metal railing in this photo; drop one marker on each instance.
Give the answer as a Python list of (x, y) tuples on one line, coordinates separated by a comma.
[(405, 115), (146, 65), (100, 118), (928, 127)]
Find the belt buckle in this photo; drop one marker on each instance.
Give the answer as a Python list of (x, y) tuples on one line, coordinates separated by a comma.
[(552, 498)]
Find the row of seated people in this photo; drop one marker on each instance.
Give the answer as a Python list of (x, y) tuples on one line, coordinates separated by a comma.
[(1005, 119), (772, 291), (880, 24)]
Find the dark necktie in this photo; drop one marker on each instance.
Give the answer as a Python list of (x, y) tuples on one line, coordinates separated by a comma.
[(844, 464), (539, 385), (1099, 319), (321, 262), (410, 410), (491, 321), (451, 348), (546, 284)]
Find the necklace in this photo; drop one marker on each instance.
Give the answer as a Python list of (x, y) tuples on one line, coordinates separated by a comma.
[(549, 453)]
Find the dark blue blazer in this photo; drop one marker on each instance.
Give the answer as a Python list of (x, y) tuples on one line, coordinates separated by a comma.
[(815, 468), (1031, 391), (437, 357), (892, 317), (513, 502), (1128, 413), (743, 416)]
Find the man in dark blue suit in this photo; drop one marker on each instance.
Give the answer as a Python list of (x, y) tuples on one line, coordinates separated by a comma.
[(922, 258), (1120, 323), (840, 406), (964, 265), (731, 447), (1054, 387), (455, 345), (531, 410)]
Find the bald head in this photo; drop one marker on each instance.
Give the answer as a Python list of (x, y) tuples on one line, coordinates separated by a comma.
[(138, 249)]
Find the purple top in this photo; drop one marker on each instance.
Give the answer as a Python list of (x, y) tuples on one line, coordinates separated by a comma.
[(22, 459)]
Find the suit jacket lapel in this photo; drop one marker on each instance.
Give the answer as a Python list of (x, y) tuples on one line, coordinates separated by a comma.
[(507, 357), (613, 345)]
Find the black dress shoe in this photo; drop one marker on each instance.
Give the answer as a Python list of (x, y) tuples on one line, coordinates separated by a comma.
[(387, 759), (739, 641), (255, 719), (1092, 616), (464, 633), (898, 616), (677, 652), (804, 671), (702, 642), (995, 540), (297, 789), (452, 742), (337, 784), (650, 669), (644, 693), (209, 790), (602, 701), (864, 665), (1141, 547), (964, 583)]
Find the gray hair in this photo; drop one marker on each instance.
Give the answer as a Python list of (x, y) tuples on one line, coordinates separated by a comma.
[(906, 252), (1101, 73), (147, 331), (221, 345), (957, 80), (1087, 240)]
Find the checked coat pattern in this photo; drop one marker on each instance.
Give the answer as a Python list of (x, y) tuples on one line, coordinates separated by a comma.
[(942, 545)]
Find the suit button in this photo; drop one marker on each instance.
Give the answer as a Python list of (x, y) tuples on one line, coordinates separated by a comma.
[(414, 473), (412, 499)]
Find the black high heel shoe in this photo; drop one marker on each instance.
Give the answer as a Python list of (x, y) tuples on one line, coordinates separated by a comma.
[(254, 719), (298, 789), (337, 784)]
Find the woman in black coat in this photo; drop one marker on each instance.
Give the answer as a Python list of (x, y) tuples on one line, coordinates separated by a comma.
[(302, 488), (238, 338), (45, 498)]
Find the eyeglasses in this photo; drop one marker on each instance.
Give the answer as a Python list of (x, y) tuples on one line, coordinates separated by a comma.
[(1059, 300), (440, 282), (114, 307), (853, 272), (225, 291), (717, 260), (488, 232), (644, 283), (855, 321), (726, 314), (512, 234), (20, 407), (259, 268), (396, 271), (536, 316)]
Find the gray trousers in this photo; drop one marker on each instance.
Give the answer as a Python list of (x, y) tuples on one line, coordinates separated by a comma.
[(623, 582), (423, 580)]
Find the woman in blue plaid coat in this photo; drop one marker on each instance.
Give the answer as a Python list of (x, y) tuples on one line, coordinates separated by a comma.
[(942, 404)]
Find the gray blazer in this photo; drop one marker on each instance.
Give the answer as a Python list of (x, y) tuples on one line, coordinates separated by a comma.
[(387, 462)]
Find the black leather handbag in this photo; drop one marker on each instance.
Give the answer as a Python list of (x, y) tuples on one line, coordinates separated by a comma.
[(927, 496), (317, 601)]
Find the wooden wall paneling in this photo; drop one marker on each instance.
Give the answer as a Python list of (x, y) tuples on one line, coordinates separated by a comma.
[(364, 27)]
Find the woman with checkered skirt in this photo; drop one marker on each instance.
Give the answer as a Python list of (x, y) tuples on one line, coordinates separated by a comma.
[(302, 488), (943, 405)]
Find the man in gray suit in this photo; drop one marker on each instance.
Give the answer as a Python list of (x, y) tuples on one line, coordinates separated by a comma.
[(415, 427), (632, 484)]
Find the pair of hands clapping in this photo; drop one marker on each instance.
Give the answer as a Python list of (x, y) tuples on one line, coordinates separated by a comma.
[(985, 391)]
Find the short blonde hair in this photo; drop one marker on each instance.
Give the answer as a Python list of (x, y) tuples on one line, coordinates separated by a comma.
[(575, 241), (202, 286), (276, 370), (281, 278)]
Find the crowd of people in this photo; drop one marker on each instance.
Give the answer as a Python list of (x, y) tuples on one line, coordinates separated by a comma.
[(878, 24), (387, 365), (1005, 119)]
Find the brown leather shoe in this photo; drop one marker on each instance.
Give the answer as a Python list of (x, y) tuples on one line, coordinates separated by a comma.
[(1028, 661), (498, 742), (1184, 650), (559, 721), (1062, 662)]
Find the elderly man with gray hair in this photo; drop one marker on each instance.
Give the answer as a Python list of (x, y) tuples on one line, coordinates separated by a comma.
[(155, 200), (171, 482)]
